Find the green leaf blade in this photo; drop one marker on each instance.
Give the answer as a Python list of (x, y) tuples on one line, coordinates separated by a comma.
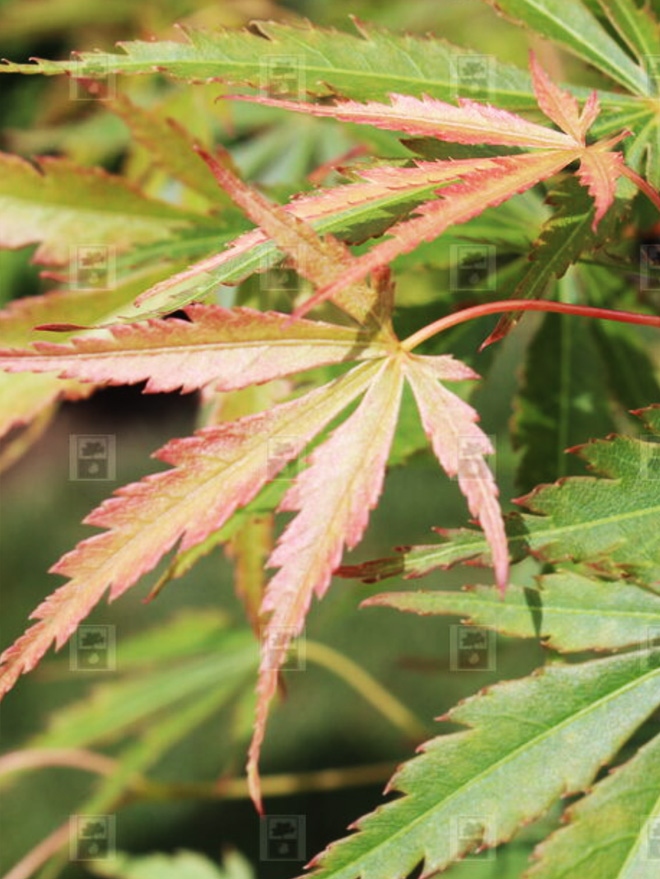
[(554, 729), (569, 612), (628, 801), (578, 30)]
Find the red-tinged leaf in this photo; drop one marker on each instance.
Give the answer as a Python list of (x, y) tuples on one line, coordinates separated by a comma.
[(561, 106), (460, 446), (23, 397), (318, 260), (599, 171), (590, 112), (231, 348), (469, 123), (216, 471), (334, 495), (377, 186), (456, 204), (61, 206)]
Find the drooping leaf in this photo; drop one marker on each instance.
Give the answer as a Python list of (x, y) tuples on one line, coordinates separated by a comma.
[(344, 480), (568, 611), (554, 729), (249, 549), (460, 445)]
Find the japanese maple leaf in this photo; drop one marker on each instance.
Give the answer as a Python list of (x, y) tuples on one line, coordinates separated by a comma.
[(222, 468), (477, 185)]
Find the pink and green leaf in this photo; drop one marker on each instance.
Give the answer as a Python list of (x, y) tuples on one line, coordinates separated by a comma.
[(229, 348), (215, 472), (334, 497)]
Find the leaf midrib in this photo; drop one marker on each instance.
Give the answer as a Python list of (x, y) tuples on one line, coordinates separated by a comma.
[(493, 767), (549, 608)]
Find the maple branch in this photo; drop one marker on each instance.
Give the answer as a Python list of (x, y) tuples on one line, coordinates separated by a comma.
[(502, 306), (75, 758), (368, 687), (276, 785), (38, 855)]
